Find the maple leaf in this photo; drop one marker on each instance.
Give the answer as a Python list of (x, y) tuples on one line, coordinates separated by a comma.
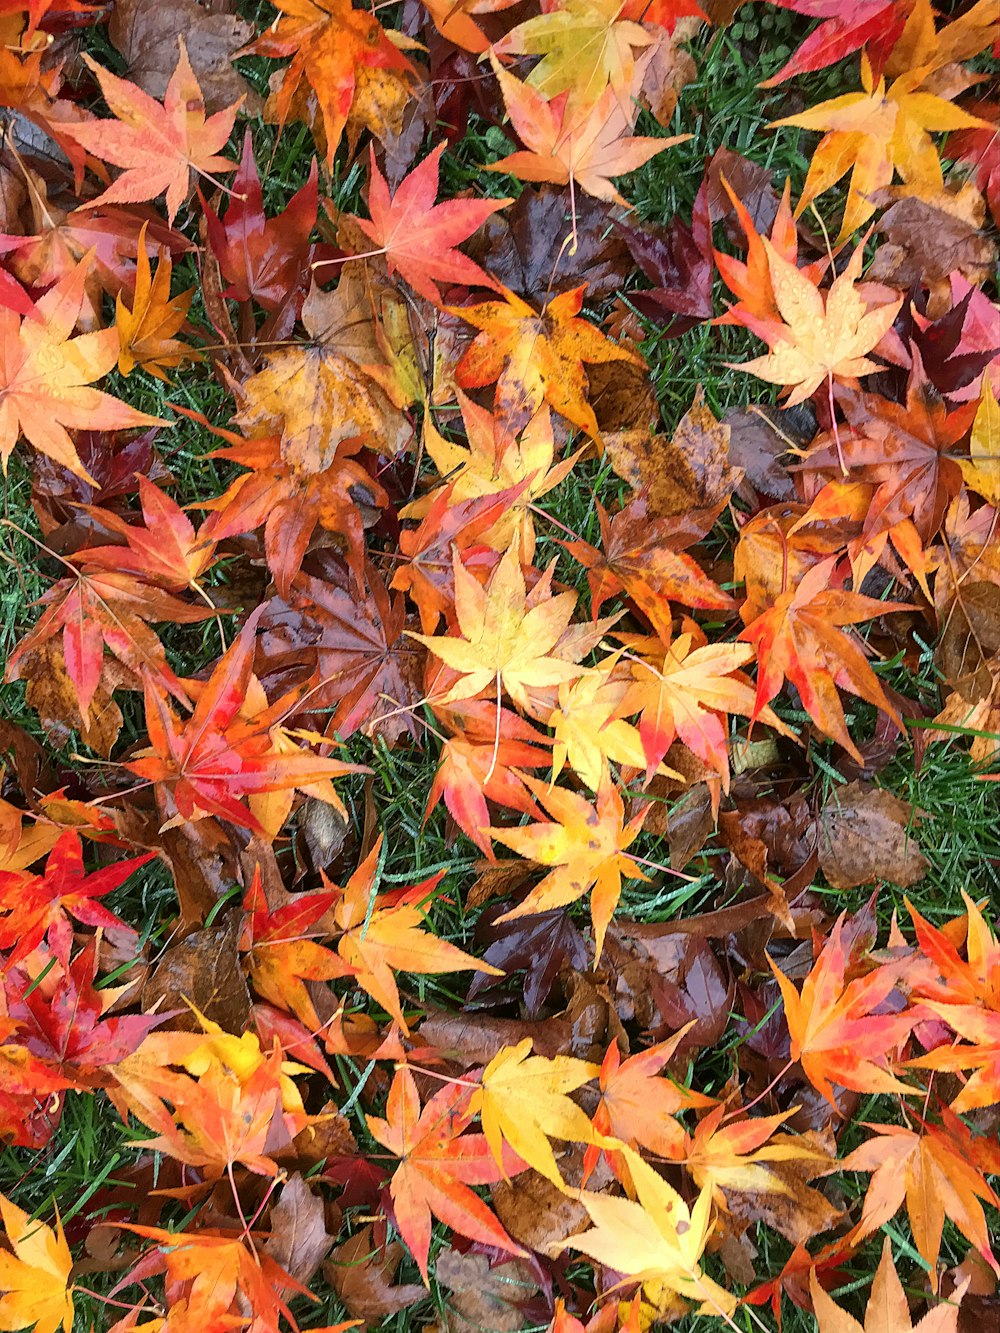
[(888, 1310), (99, 610), (370, 671), (493, 460), (29, 1112), (534, 357), (566, 145), (167, 551), (267, 260), (540, 946), (281, 954), (208, 763), (323, 405), (439, 1163), (655, 1238), (292, 501), (965, 993), (923, 45), (45, 376), (799, 638), (585, 45), (476, 767), (904, 450), (821, 337), (214, 1279), (589, 731), (943, 975), (684, 690), (157, 144), (639, 1107), (642, 554), (218, 1118), (846, 26), (881, 131), (33, 905), (34, 1278), (523, 1102), (982, 470), (419, 236), (340, 51), (146, 332), (586, 848), (677, 260), (744, 1161), (65, 1027), (384, 936), (934, 1171), (509, 638), (751, 282), (982, 1028), (448, 526), (837, 1035)]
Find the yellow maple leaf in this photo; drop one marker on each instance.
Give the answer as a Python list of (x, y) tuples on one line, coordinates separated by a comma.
[(875, 134), (822, 339), (509, 638), (317, 400), (47, 376), (982, 470), (586, 848), (585, 45), (495, 460), (654, 1237), (34, 1278), (523, 1101), (590, 730)]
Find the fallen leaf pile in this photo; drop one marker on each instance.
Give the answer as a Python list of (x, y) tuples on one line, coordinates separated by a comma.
[(434, 850)]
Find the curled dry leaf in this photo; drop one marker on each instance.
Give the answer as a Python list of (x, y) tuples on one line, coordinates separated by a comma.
[(362, 1274)]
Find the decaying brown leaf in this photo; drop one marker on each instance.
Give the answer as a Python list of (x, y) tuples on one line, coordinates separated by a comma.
[(865, 835)]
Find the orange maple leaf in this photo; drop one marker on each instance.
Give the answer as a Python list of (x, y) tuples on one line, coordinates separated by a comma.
[(888, 1309), (439, 1163), (837, 1036), (281, 953), (146, 332), (45, 376), (568, 144), (799, 638), (226, 750), (384, 934), (337, 49), (157, 144), (935, 1172)]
